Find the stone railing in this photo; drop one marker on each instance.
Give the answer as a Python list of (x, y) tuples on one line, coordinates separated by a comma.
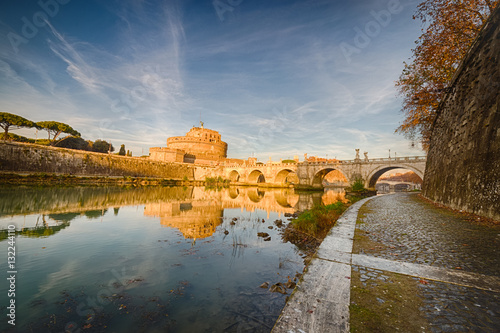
[(384, 159)]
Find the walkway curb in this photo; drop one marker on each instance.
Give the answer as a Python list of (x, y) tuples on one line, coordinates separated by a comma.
[(320, 302), (453, 276)]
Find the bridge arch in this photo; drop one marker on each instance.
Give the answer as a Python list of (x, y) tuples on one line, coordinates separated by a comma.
[(234, 176), (317, 180), (256, 176), (286, 176), (375, 174)]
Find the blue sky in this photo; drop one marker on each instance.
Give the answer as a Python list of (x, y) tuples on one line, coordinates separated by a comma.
[(276, 78)]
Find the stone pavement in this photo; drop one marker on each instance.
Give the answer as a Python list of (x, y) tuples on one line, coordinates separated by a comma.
[(456, 261)]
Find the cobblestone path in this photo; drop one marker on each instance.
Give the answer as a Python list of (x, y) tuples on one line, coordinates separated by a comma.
[(406, 228)]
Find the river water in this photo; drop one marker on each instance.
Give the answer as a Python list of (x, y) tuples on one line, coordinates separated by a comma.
[(147, 259)]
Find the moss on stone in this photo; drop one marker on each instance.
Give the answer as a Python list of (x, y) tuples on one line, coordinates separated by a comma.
[(386, 306)]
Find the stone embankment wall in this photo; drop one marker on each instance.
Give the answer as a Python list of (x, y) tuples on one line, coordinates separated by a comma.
[(21, 157), (463, 163)]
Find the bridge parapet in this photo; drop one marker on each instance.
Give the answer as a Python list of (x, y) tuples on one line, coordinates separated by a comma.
[(371, 160), (398, 159), (386, 159)]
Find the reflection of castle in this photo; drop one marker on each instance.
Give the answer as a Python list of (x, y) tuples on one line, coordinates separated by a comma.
[(198, 216), (194, 219), (200, 145), (195, 211)]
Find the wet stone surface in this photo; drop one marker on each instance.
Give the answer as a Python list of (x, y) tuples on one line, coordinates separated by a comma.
[(370, 276), (406, 228), (452, 308), (447, 307)]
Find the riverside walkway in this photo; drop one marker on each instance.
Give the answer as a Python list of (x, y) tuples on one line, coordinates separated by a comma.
[(398, 263)]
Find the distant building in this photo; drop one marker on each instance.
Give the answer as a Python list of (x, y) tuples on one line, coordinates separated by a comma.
[(200, 145), (312, 159)]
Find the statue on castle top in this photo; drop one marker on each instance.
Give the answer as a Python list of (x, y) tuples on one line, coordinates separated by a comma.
[(201, 124), (357, 154)]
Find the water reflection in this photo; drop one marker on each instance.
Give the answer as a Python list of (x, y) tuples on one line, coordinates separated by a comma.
[(23, 200), (192, 219), (183, 259), (194, 211)]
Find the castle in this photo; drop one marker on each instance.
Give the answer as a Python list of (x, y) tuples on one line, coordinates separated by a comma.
[(200, 145)]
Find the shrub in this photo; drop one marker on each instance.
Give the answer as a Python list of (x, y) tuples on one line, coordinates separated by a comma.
[(318, 221), (102, 146), (73, 142), (358, 185)]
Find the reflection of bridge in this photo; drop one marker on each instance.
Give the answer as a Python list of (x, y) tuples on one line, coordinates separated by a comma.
[(199, 215), (311, 174), (195, 211)]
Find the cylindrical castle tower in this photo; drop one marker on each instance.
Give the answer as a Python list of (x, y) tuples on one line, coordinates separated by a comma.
[(203, 143)]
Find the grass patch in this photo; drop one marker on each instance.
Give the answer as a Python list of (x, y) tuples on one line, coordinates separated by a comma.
[(363, 242), (362, 212), (308, 230), (318, 221), (386, 306)]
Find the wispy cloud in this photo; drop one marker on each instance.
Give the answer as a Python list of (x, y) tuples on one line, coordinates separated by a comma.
[(271, 78)]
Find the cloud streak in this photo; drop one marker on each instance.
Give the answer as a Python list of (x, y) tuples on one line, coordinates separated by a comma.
[(270, 78)]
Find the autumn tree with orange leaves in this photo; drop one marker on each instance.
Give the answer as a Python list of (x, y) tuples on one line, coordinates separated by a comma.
[(448, 30)]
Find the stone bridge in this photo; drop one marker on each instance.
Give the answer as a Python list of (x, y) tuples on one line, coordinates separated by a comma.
[(389, 186), (311, 174)]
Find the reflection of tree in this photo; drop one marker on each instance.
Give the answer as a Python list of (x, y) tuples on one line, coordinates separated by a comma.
[(43, 231), (48, 225), (195, 211), (42, 227), (95, 214), (65, 217)]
